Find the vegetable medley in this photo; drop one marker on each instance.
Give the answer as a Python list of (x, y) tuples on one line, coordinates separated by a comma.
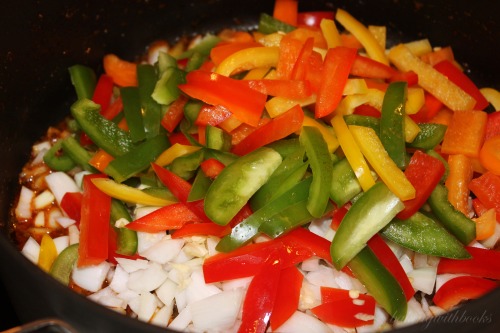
[(304, 176)]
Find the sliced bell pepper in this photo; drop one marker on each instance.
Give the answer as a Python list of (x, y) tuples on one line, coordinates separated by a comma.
[(384, 253), (369, 68), (174, 113), (104, 133), (71, 203), (212, 167), (287, 296), (455, 75), (286, 11), (173, 216), (125, 240), (94, 223), (363, 35), (487, 189), (492, 96), (268, 25), (238, 182), (345, 185), (353, 153), (179, 187), (379, 159), (327, 131), (465, 133), (276, 129), (124, 73), (56, 159), (489, 155), (313, 18), (392, 122), (83, 79), (462, 288), (300, 68), (484, 263), (370, 213), (48, 253), (424, 172), (293, 89), (151, 109), (103, 92), (492, 125), (132, 110), (77, 153), (462, 227), (339, 308), (212, 115), (100, 160), (336, 68), (202, 229), (174, 151), (330, 31), (289, 51), (459, 175), (64, 263), (429, 136), (423, 234), (485, 224), (431, 80), (127, 193), (438, 55), (249, 58), (244, 103), (321, 167)]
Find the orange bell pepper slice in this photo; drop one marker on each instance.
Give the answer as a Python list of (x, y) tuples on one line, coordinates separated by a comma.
[(286, 11), (489, 155), (459, 176), (465, 133), (123, 73)]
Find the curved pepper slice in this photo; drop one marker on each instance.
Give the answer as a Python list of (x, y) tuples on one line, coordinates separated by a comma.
[(460, 289), (238, 182), (248, 58), (370, 213)]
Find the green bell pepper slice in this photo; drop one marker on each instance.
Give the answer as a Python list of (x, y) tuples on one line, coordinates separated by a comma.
[(379, 282), (367, 216), (132, 109), (57, 159), (392, 120), (423, 234), (63, 264), (462, 227), (429, 137), (360, 120), (150, 109), (77, 153), (84, 80), (104, 133), (186, 166), (321, 165), (237, 182), (269, 25), (345, 185), (127, 241), (201, 183)]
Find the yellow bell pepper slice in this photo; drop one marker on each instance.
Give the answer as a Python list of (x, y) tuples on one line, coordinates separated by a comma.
[(278, 105), (414, 100), (379, 32), (355, 86), (330, 33), (230, 124), (253, 57), (411, 129), (326, 131), (372, 148), (48, 253), (370, 44), (174, 151), (492, 96), (127, 193), (352, 153), (271, 40), (431, 80), (419, 47), (256, 73)]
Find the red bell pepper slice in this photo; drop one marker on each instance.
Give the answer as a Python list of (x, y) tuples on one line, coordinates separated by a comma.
[(71, 204), (484, 263), (180, 138), (174, 114), (339, 308), (292, 89), (169, 217), (211, 167), (424, 172), (261, 295), (367, 110), (202, 229), (336, 69), (478, 206), (300, 68), (94, 223), (492, 125), (112, 247), (103, 92), (287, 296), (179, 187), (301, 238), (290, 49), (276, 129), (455, 75), (460, 289), (409, 77), (431, 107), (244, 103), (487, 189), (286, 11), (391, 262), (369, 68), (212, 115), (313, 19)]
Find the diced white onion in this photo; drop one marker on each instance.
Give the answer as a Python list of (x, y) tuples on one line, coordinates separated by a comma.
[(197, 289), (60, 183), (163, 251), (167, 291), (108, 298), (379, 320), (148, 279), (74, 234), (162, 316), (148, 304), (301, 322), (92, 277), (78, 177), (54, 214), (181, 322), (322, 277), (31, 250), (310, 265), (39, 220), (43, 200), (181, 300), (406, 263), (147, 239), (423, 279), (65, 221), (132, 265), (414, 314), (61, 243), (120, 279), (236, 283), (218, 311), (23, 208)]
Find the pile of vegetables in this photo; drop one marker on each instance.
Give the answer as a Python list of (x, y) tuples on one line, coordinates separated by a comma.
[(300, 175)]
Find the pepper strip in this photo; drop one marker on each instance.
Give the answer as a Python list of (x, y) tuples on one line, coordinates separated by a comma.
[(370, 44), (247, 59), (372, 148), (353, 153)]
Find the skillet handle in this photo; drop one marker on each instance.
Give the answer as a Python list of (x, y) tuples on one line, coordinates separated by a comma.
[(47, 325)]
